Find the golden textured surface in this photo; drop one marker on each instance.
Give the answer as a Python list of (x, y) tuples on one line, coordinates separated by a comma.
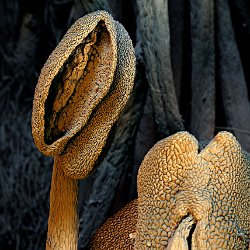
[(174, 181), (63, 218), (61, 77), (187, 200), (85, 148), (81, 92), (117, 232)]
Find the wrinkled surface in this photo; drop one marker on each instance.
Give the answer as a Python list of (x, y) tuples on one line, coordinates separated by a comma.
[(174, 181), (81, 92), (67, 66), (63, 218), (118, 231), (87, 146), (189, 199)]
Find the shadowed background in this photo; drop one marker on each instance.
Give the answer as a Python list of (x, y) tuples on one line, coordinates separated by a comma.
[(192, 74)]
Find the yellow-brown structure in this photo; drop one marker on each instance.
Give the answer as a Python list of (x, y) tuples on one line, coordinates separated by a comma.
[(213, 186), (118, 231), (189, 200), (80, 95)]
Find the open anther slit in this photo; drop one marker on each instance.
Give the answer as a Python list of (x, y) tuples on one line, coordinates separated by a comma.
[(77, 84)]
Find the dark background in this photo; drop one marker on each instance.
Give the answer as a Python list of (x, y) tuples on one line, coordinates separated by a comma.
[(192, 74)]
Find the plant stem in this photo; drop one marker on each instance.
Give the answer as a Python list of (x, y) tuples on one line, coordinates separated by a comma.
[(63, 220)]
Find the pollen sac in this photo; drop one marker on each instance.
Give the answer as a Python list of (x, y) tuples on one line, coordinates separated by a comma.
[(80, 85), (212, 187), (81, 92)]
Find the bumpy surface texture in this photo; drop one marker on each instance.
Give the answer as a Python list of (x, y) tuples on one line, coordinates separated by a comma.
[(62, 74), (81, 91), (63, 218), (174, 181), (117, 232), (85, 148), (186, 199)]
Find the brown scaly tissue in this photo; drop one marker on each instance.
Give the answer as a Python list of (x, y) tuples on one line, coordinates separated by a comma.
[(81, 92), (186, 199)]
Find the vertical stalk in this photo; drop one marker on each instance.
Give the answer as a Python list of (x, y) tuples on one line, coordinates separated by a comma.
[(63, 220)]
